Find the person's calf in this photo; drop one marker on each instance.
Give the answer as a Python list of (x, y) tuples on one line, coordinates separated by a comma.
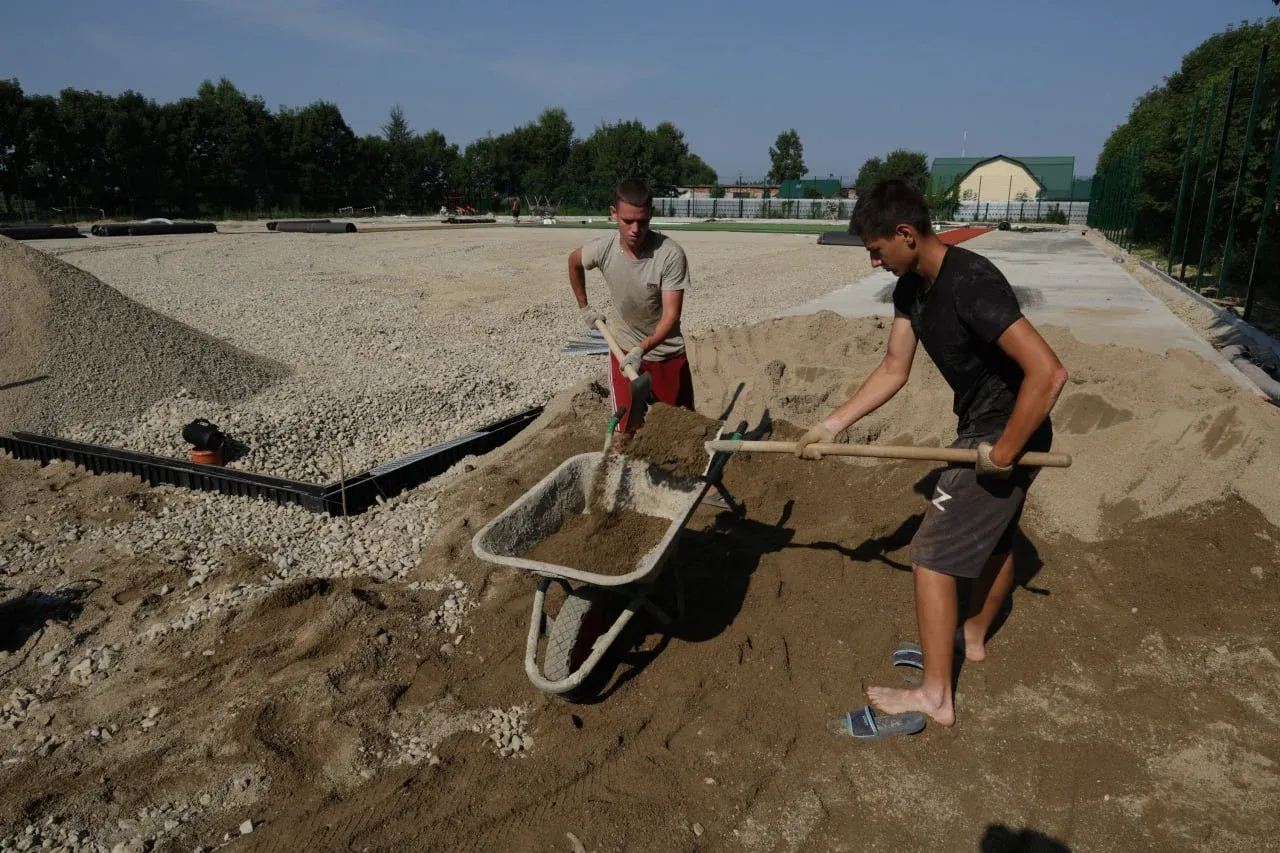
[(936, 605), (990, 591)]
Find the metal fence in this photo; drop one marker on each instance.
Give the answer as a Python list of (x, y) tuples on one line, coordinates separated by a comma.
[(755, 208), (1221, 237), (840, 210), (1061, 212)]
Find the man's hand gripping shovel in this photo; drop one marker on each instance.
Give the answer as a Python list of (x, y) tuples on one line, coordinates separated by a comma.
[(641, 383)]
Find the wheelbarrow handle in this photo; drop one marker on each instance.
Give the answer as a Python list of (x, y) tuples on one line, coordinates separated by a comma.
[(930, 454)]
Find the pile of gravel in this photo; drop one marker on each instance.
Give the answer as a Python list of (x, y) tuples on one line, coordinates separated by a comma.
[(78, 351), (399, 341)]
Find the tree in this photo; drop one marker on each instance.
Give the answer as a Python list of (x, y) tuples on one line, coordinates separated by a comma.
[(222, 150), (912, 166), (786, 158), (868, 175), (1161, 119), (397, 130), (695, 173)]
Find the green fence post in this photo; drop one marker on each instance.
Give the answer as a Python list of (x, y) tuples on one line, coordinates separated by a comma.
[(1136, 203), (1195, 185), (1244, 162), (1126, 202), (1213, 183), (1109, 198), (1116, 169), (1182, 188), (1262, 221)]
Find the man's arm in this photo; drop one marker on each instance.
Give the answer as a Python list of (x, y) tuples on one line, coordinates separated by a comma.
[(886, 380), (672, 305), (578, 277), (1043, 380)]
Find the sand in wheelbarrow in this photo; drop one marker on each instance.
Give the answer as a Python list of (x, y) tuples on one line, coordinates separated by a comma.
[(673, 439), (606, 543)]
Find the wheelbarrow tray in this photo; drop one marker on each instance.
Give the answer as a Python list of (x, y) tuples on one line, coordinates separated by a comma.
[(629, 484)]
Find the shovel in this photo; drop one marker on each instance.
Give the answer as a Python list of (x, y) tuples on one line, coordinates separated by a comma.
[(928, 454), (641, 383)]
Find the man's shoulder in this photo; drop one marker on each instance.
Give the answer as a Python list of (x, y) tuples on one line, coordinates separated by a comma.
[(602, 241), (907, 285), (664, 244), (972, 263), (597, 249)]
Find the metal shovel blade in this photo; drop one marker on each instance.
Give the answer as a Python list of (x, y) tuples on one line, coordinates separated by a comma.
[(641, 392)]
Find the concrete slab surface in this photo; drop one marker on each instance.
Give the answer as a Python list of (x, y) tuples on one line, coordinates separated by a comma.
[(1060, 278)]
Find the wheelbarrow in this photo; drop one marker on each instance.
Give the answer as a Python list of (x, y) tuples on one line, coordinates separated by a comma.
[(579, 636)]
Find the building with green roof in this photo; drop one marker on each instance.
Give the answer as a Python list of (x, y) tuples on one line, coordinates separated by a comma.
[(1005, 178)]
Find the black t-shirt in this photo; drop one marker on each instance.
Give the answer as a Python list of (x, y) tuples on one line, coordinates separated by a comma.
[(958, 320)]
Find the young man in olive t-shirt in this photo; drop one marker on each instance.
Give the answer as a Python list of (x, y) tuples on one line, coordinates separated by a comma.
[(647, 274)]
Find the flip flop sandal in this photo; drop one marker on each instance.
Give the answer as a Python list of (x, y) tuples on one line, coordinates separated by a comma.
[(863, 724), (908, 657)]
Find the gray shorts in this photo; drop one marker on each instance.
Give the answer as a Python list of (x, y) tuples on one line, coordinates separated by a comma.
[(970, 518)]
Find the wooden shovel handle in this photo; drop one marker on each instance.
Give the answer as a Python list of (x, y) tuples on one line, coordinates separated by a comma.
[(929, 454), (617, 350)]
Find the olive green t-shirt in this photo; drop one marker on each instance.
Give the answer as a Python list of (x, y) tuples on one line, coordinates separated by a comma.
[(636, 286)]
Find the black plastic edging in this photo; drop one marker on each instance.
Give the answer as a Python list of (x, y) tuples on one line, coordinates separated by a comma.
[(271, 225), (361, 491), (839, 238), (40, 232), (391, 478), (151, 229), (161, 470)]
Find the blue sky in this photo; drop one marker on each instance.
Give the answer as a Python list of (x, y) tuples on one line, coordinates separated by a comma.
[(855, 79)]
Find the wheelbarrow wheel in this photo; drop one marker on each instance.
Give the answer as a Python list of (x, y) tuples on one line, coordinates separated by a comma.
[(582, 619)]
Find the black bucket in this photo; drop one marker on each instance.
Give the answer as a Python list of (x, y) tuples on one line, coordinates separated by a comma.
[(203, 435)]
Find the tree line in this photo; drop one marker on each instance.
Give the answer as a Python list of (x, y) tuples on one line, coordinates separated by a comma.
[(1161, 123), (223, 152)]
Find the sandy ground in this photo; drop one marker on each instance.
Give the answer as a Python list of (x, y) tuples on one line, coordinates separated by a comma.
[(1129, 701)]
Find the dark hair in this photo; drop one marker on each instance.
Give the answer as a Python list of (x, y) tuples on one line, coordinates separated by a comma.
[(633, 191), (890, 203)]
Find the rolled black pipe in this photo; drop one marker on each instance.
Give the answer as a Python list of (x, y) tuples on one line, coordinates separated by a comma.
[(39, 232), (152, 229), (271, 226), (839, 238), (317, 227)]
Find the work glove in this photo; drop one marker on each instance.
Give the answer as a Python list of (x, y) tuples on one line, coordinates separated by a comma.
[(986, 468), (635, 359), (816, 435), (590, 316)]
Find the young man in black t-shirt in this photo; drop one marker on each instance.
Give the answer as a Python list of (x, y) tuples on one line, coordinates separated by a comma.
[(1006, 379)]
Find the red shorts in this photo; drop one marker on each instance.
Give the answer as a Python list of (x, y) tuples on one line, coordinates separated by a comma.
[(672, 384)]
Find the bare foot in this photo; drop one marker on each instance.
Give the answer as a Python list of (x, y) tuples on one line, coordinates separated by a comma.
[(893, 700), (975, 643)]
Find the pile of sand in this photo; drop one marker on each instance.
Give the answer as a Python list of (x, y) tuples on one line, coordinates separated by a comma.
[(77, 351), (674, 439), (1150, 435), (1164, 435)]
